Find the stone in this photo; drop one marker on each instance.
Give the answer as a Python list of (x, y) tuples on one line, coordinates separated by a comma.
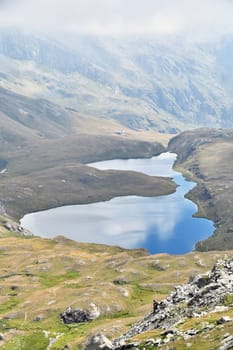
[(220, 308), (226, 335), (94, 312), (168, 331), (224, 319), (150, 341), (202, 281), (205, 326), (39, 318), (192, 332), (14, 287), (202, 292), (227, 343), (14, 316), (99, 341), (8, 226), (157, 266), (158, 341), (127, 346), (75, 316), (12, 227), (120, 281), (168, 338)]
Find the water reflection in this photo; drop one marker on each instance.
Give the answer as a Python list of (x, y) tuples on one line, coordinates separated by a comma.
[(159, 166), (159, 224)]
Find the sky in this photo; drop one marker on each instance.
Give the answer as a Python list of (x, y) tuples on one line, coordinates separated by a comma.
[(203, 19)]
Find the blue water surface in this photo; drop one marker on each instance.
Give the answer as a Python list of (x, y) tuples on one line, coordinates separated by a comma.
[(161, 224)]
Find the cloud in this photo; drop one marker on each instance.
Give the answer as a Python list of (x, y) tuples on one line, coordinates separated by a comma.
[(199, 18)]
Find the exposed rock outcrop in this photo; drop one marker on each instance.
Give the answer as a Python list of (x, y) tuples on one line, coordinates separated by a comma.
[(13, 227), (227, 343), (188, 300), (75, 316), (71, 315)]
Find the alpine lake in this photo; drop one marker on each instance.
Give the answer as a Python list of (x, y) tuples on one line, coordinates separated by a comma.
[(163, 224)]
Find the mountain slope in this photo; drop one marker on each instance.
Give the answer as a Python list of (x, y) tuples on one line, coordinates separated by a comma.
[(142, 83), (205, 155), (203, 296), (26, 120), (41, 278), (32, 119), (43, 146)]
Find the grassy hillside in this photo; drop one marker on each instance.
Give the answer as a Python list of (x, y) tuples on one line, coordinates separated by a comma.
[(40, 278), (27, 120)]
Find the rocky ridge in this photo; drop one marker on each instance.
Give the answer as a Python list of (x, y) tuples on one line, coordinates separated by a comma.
[(204, 294)]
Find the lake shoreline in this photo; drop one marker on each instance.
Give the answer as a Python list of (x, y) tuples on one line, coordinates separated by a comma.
[(103, 207)]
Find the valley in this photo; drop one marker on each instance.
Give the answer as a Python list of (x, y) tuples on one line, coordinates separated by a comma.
[(67, 103), (46, 170), (120, 283)]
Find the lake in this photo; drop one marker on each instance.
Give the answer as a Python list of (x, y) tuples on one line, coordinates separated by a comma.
[(158, 224)]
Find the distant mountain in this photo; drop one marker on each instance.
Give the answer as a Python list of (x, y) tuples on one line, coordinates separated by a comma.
[(25, 120), (142, 83)]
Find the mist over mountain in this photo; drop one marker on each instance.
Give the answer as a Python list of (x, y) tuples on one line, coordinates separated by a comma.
[(143, 83)]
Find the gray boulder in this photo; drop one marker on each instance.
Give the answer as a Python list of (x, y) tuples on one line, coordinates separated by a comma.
[(227, 343), (75, 316), (13, 227), (224, 319)]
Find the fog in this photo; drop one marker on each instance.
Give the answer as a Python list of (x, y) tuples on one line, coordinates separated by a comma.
[(196, 19)]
